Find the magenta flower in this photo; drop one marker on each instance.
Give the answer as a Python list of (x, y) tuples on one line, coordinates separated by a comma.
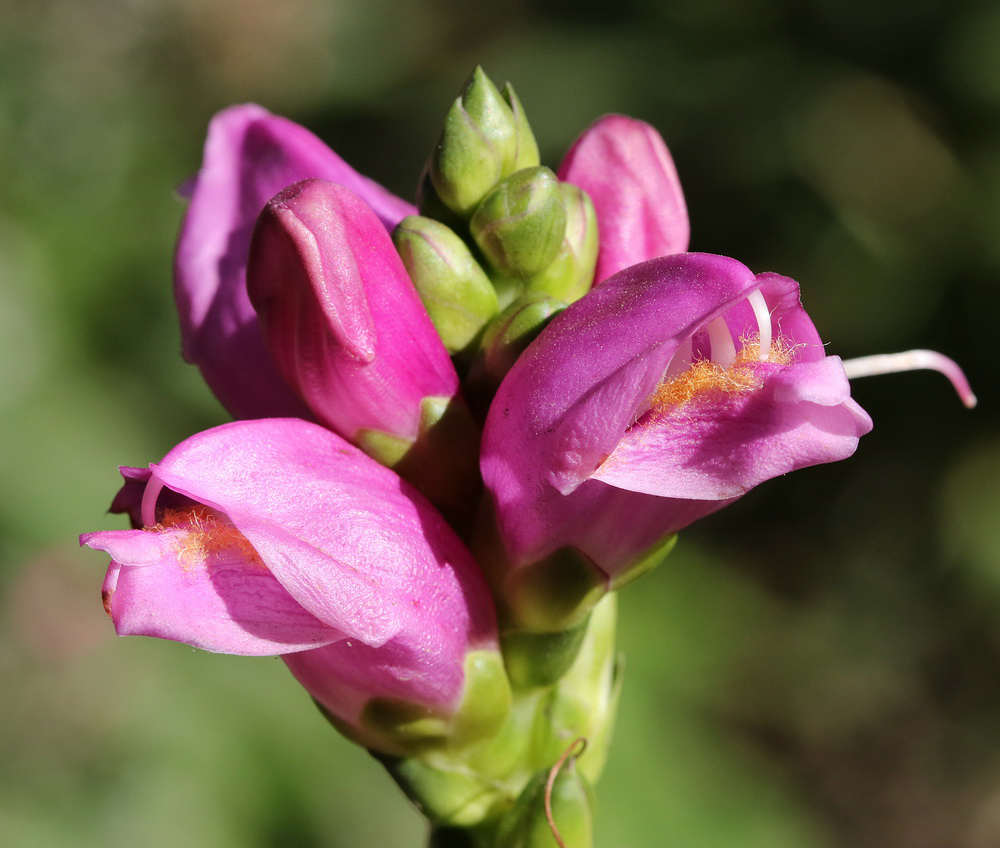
[(340, 315), (625, 167), (671, 389), (278, 537), (250, 155)]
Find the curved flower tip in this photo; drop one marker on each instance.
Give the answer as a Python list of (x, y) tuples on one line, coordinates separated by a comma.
[(276, 536), (250, 155), (340, 315), (667, 392), (625, 167), (913, 360)]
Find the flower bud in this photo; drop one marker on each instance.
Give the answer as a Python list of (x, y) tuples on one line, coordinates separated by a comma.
[(454, 289), (478, 145), (349, 333), (505, 339), (520, 224), (571, 273)]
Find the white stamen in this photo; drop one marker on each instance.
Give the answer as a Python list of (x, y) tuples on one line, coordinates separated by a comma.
[(912, 360), (149, 497), (723, 347), (756, 300)]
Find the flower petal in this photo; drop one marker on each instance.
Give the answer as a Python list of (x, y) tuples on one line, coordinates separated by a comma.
[(218, 601), (625, 167), (342, 318), (352, 543), (250, 155), (575, 451)]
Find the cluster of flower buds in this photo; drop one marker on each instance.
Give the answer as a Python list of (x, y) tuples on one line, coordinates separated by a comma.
[(457, 434)]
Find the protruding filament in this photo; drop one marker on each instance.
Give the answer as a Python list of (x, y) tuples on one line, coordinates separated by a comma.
[(756, 301), (149, 498), (721, 340), (912, 360)]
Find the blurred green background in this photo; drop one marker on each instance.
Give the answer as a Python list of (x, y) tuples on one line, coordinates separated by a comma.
[(818, 666)]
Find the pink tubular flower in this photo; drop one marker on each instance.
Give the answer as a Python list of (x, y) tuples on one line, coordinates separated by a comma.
[(277, 537), (340, 315), (250, 155), (625, 167), (670, 390)]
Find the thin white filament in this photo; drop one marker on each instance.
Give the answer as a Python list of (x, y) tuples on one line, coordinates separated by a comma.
[(723, 347), (912, 360), (756, 301)]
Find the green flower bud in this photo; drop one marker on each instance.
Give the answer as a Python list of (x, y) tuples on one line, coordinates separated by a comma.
[(477, 147), (570, 802), (571, 273), (506, 338), (526, 148), (432, 206), (456, 292), (521, 223)]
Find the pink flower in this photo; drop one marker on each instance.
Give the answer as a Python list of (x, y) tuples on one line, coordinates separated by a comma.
[(340, 315), (670, 390), (625, 167), (250, 155), (278, 537)]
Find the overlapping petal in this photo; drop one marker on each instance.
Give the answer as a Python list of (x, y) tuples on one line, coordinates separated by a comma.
[(250, 155), (341, 317), (625, 167)]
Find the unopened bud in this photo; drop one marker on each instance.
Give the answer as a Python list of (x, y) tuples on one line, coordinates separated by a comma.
[(521, 223), (571, 273), (477, 146), (456, 292)]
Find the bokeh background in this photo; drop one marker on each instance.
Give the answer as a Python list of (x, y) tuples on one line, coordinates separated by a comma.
[(816, 667)]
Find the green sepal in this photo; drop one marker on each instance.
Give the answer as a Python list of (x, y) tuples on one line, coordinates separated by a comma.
[(383, 447), (526, 825), (447, 792), (404, 725), (456, 292), (442, 461), (555, 593), (540, 659), (520, 224), (486, 699), (646, 562), (584, 701)]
